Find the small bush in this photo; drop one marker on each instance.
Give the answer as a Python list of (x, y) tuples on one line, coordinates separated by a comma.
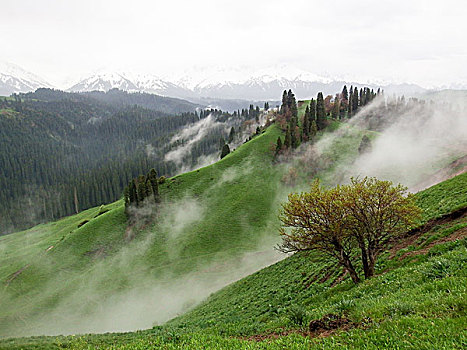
[(438, 269), (297, 315), (345, 305)]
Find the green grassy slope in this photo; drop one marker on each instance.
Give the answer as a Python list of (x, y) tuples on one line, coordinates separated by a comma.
[(265, 295), (219, 222), (416, 301), (230, 206), (215, 220)]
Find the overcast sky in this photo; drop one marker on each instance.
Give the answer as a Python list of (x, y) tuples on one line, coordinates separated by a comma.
[(420, 41)]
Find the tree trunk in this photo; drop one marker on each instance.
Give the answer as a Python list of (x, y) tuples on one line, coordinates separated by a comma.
[(365, 263), (371, 262), (345, 261)]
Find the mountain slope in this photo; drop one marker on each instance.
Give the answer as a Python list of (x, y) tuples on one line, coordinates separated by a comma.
[(416, 301), (215, 221), (121, 99)]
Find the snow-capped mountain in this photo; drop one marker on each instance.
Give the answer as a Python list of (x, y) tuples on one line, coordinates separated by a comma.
[(14, 79), (155, 85), (232, 83), (104, 82), (238, 83)]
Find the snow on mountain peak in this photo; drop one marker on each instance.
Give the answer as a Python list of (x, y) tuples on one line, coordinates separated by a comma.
[(15, 79)]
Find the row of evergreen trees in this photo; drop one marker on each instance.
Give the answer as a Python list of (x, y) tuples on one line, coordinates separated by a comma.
[(318, 113)]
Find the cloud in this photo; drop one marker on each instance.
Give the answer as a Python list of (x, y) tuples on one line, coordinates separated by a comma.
[(189, 137)]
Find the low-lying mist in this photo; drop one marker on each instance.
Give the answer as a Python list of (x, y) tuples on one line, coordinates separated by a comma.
[(124, 291), (192, 136), (412, 143)]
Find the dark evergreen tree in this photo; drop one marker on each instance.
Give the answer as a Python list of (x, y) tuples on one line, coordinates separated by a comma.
[(154, 183), (345, 94), (312, 110), (320, 112), (355, 102), (231, 134), (314, 130), (306, 124), (225, 150), (284, 104), (141, 189)]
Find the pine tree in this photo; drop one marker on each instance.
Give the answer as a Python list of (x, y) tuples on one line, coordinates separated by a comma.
[(312, 110), (141, 189), (133, 195), (284, 105), (314, 130), (345, 94), (336, 108), (293, 137), (154, 183), (306, 124), (320, 112), (225, 150), (292, 103), (278, 145), (355, 101), (126, 197), (231, 134)]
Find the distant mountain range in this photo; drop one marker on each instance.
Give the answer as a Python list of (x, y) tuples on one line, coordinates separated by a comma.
[(197, 86), (15, 79)]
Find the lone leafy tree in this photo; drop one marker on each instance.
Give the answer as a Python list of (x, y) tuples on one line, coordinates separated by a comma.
[(315, 221), (377, 212), (346, 221)]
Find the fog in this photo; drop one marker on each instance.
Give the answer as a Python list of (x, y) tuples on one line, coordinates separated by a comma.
[(123, 291), (412, 144), (189, 136)]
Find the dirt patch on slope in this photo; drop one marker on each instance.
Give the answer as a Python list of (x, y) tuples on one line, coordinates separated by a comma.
[(459, 234), (412, 236), (323, 327), (11, 277)]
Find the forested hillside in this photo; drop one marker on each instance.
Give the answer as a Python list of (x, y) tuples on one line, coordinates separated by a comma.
[(61, 153)]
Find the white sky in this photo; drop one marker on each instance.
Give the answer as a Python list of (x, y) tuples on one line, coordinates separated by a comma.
[(421, 41)]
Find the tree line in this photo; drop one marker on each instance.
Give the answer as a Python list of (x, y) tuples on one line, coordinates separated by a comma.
[(61, 153), (318, 113)]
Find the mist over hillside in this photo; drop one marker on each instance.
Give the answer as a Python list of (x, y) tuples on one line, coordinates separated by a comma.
[(65, 152)]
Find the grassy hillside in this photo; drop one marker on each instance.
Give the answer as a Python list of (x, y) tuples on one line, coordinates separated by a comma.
[(91, 273), (217, 225), (416, 301), (211, 218)]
